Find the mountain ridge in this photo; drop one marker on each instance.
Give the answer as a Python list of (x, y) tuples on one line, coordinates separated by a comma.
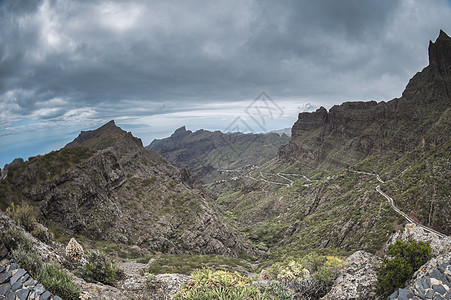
[(106, 186)]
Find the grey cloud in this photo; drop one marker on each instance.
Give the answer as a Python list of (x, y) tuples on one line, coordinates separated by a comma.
[(99, 55)]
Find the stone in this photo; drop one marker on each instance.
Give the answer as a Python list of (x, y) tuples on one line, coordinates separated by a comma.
[(16, 285), (74, 251), (11, 296), (4, 277), (85, 296), (393, 296), (442, 268), (30, 282), (439, 289), (426, 282), (448, 296), (438, 297), (5, 288), (356, 281), (404, 294), (46, 295), (437, 275), (57, 298), (17, 276), (39, 289), (419, 288), (23, 294), (13, 266), (429, 294)]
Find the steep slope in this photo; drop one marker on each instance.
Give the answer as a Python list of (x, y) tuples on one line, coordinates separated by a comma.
[(207, 154), (352, 131), (406, 141), (106, 185)]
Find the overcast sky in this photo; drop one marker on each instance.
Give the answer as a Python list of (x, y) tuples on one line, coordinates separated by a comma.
[(153, 66)]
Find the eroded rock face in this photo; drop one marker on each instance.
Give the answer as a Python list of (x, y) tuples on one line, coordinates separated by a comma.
[(358, 280), (126, 194), (310, 121), (358, 129), (439, 245)]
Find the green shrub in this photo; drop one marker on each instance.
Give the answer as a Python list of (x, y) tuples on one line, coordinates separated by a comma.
[(15, 238), (405, 259), (206, 284), (99, 268), (149, 280), (28, 259), (149, 181), (41, 233), (23, 215), (58, 282), (310, 277)]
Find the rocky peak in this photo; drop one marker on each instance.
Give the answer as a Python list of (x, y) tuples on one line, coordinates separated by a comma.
[(106, 136), (309, 121), (357, 129), (16, 161), (181, 133), (440, 53)]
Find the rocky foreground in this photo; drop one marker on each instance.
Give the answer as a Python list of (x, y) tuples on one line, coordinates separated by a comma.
[(356, 281)]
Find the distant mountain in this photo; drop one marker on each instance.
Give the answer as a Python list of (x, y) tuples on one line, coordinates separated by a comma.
[(207, 154), (286, 131), (319, 193), (106, 186)]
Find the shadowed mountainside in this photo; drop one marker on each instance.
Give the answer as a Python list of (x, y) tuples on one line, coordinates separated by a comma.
[(107, 186)]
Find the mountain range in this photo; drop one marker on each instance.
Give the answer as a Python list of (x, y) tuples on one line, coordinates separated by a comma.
[(262, 197)]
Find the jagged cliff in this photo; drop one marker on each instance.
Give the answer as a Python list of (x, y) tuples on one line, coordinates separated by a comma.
[(353, 130), (107, 186)]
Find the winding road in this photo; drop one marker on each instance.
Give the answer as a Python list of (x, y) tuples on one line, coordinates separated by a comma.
[(392, 204)]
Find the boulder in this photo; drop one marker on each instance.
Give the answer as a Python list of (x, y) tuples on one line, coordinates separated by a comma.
[(358, 279), (74, 251)]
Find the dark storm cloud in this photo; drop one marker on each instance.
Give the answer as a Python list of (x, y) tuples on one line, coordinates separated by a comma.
[(101, 59)]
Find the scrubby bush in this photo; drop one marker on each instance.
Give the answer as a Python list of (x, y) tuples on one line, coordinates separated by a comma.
[(310, 277), (404, 258), (149, 283), (41, 233), (23, 215), (99, 268), (206, 284), (15, 238), (58, 282), (28, 259)]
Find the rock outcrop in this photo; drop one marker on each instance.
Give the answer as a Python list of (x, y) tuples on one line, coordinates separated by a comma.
[(107, 186), (358, 279), (74, 251), (431, 281), (4, 171), (354, 130), (439, 245)]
